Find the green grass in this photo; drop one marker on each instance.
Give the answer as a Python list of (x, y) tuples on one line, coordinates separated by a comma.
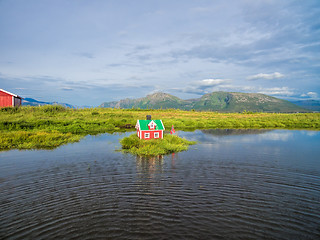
[(154, 147), (56, 125), (35, 140)]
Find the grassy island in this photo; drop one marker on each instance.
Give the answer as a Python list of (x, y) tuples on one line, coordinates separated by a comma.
[(51, 126), (154, 147)]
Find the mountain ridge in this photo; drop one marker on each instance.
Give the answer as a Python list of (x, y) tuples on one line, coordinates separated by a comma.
[(312, 105), (34, 102), (215, 101)]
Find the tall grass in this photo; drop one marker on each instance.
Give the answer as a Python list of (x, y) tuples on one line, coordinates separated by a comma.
[(35, 140), (56, 119), (154, 147)]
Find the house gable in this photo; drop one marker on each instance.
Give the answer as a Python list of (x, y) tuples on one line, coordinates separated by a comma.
[(152, 125), (143, 125)]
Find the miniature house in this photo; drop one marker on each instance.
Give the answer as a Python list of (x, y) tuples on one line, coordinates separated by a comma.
[(149, 129)]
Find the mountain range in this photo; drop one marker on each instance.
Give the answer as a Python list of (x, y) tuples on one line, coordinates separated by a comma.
[(312, 105), (33, 102), (215, 101)]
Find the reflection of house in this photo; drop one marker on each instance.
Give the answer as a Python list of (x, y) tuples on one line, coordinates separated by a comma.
[(149, 129), (8, 99), (148, 168)]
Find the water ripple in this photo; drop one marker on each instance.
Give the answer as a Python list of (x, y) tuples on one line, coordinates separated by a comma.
[(186, 196)]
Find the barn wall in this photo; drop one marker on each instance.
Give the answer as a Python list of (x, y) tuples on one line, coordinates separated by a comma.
[(3, 94), (5, 100)]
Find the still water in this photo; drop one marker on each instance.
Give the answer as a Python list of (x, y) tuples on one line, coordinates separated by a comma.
[(234, 184)]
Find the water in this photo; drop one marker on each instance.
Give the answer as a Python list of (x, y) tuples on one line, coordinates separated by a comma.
[(234, 184)]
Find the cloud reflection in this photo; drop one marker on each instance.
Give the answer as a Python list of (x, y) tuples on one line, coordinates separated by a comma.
[(216, 136)]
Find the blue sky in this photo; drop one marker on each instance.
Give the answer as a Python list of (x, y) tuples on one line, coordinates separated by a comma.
[(87, 52)]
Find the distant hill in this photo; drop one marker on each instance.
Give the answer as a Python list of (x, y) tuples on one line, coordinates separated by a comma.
[(154, 101), (312, 105), (33, 102), (216, 101)]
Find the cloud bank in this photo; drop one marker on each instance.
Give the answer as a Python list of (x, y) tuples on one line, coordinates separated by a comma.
[(112, 48), (275, 75), (203, 86)]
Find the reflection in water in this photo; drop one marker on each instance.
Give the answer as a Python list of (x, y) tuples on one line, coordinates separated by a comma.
[(225, 136), (228, 132), (253, 185), (149, 166)]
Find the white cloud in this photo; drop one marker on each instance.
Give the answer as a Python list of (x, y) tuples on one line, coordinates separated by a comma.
[(312, 94), (67, 89), (266, 76), (211, 82), (281, 91), (203, 86)]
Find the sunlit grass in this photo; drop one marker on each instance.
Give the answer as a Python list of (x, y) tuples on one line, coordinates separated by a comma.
[(35, 140), (155, 147), (76, 123)]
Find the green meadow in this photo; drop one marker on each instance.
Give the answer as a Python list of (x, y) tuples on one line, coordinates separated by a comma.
[(51, 126)]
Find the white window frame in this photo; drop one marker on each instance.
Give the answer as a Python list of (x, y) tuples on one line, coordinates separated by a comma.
[(146, 135), (152, 125), (156, 135)]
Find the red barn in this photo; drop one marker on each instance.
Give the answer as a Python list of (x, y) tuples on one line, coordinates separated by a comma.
[(149, 129), (8, 99)]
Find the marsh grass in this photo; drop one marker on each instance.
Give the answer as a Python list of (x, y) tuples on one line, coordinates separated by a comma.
[(35, 140), (154, 147), (66, 125)]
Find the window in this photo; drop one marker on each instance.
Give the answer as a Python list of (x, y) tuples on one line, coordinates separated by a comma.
[(152, 125), (147, 135), (156, 135)]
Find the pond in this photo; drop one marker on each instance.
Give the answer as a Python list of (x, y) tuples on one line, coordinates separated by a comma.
[(234, 184)]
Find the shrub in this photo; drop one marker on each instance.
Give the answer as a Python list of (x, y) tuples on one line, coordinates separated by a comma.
[(53, 108), (130, 142), (10, 109)]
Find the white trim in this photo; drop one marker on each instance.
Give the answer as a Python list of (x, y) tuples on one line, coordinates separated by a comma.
[(12, 101), (145, 135), (138, 125), (152, 125), (155, 135), (162, 124), (8, 92)]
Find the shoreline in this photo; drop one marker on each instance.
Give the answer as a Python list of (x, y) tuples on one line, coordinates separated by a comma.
[(52, 126)]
